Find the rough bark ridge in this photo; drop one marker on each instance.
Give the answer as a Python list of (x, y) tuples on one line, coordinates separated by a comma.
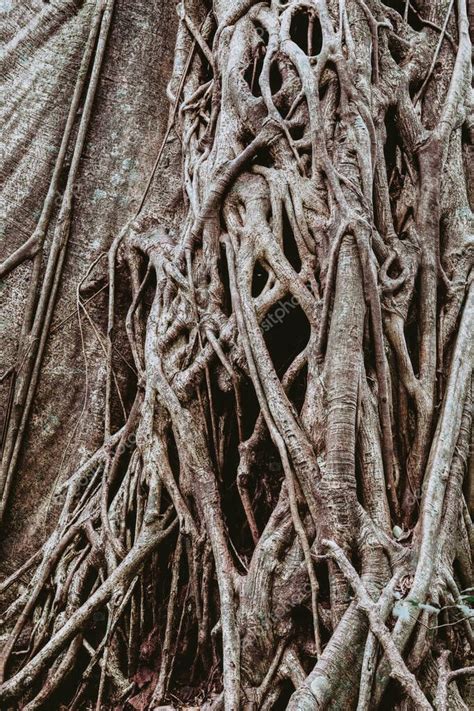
[(281, 509)]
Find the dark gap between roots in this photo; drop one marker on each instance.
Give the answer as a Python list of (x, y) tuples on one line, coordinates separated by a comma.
[(297, 132), (395, 167), (63, 696), (290, 248), (392, 697), (262, 32), (298, 389), (259, 279), (233, 511), (412, 327), (224, 274), (284, 698), (252, 75), (173, 455), (276, 81), (286, 332), (299, 33), (269, 476), (397, 49), (263, 158), (390, 147), (399, 5)]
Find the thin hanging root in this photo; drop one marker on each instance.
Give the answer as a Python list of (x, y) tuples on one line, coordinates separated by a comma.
[(112, 622), (135, 344), (57, 676), (266, 683), (370, 287), (300, 531), (20, 571), (35, 243), (233, 375), (398, 668), (428, 23), (328, 294), (247, 448), (369, 662), (458, 601), (374, 27), (29, 607), (28, 250), (197, 36), (148, 541), (103, 347), (38, 334), (213, 434), (203, 327), (421, 90), (222, 183), (109, 475), (244, 494), (110, 666), (279, 443), (445, 677), (161, 685)]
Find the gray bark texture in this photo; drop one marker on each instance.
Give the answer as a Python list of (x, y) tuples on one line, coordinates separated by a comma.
[(236, 356)]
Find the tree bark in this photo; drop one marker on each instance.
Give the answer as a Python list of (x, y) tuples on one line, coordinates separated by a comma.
[(237, 357)]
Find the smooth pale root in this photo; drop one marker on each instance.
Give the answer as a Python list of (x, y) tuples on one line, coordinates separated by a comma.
[(350, 271), (147, 543), (439, 465), (443, 447), (398, 668)]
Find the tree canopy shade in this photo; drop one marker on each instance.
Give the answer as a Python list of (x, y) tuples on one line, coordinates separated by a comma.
[(238, 309)]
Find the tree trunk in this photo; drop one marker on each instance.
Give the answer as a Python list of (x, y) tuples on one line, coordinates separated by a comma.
[(238, 317)]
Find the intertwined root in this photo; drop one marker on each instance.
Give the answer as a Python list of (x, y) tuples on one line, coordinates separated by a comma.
[(298, 383)]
